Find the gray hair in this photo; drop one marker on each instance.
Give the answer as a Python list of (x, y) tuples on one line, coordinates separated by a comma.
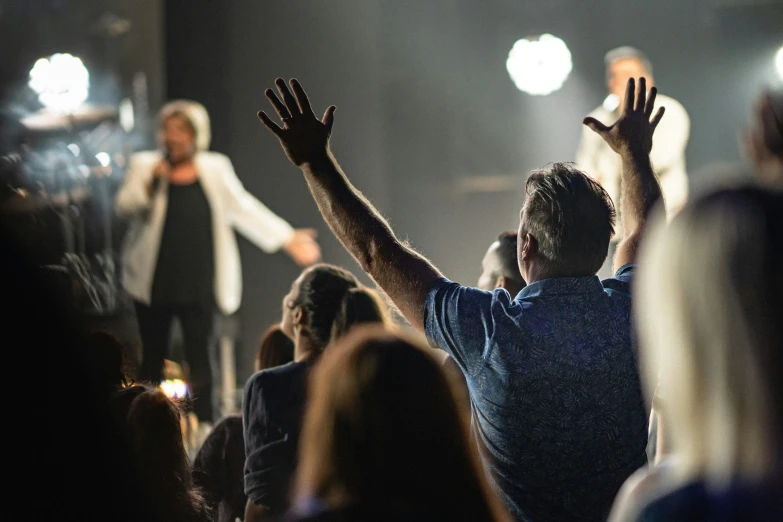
[(627, 52)]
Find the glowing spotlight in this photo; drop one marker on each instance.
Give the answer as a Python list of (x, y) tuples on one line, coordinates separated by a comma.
[(103, 158), (779, 62), (61, 82), (539, 65), (174, 388)]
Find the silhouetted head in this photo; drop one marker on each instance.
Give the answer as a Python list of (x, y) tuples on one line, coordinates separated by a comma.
[(500, 266)]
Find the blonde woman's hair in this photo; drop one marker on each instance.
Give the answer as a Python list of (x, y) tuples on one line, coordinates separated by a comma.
[(382, 429), (709, 309)]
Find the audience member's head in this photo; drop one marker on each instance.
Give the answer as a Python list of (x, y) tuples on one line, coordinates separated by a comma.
[(326, 300), (764, 141), (382, 431), (276, 349), (500, 266), (153, 428), (360, 306), (566, 224), (107, 361), (710, 303), (622, 64)]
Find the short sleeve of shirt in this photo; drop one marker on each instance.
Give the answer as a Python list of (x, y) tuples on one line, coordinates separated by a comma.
[(621, 282), (458, 319)]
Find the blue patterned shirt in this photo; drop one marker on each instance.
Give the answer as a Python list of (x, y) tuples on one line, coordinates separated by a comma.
[(557, 403)]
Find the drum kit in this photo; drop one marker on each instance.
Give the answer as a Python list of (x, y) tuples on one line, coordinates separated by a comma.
[(56, 196)]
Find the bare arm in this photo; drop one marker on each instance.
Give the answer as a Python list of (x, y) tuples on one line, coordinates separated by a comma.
[(631, 137), (403, 274)]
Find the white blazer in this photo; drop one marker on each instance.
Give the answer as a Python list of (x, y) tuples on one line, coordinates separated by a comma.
[(232, 208), (597, 159)]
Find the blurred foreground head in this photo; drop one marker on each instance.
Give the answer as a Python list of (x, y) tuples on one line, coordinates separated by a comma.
[(764, 140), (710, 315), (382, 430)]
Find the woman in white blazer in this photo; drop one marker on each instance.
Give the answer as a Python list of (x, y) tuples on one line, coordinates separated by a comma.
[(180, 256)]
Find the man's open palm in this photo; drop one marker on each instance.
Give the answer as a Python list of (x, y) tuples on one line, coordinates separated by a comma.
[(634, 130), (304, 138)]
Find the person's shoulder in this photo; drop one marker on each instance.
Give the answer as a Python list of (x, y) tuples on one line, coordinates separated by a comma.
[(271, 376), (671, 105), (214, 159), (228, 422), (621, 281)]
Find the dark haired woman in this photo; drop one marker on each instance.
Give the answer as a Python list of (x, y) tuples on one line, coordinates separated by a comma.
[(323, 300), (383, 439), (151, 422)]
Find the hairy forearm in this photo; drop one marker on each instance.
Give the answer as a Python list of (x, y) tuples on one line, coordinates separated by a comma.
[(403, 274), (640, 192)]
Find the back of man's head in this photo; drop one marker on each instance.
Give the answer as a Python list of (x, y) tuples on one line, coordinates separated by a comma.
[(571, 218)]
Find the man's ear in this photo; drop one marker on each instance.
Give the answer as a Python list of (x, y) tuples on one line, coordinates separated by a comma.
[(299, 316), (529, 247)]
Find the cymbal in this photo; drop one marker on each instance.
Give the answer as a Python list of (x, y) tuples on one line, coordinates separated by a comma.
[(46, 120)]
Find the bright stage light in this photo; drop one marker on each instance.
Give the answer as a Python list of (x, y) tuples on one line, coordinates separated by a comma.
[(174, 388), (61, 82), (539, 65), (103, 158), (779, 62)]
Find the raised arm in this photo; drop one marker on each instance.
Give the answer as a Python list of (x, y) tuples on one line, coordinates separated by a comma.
[(631, 137), (403, 274)]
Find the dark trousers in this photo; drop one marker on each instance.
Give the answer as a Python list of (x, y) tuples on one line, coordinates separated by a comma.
[(155, 327)]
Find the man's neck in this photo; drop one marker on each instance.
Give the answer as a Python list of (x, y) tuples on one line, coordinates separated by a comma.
[(539, 274)]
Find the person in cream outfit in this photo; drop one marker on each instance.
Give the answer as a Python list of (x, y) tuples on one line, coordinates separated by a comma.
[(180, 256)]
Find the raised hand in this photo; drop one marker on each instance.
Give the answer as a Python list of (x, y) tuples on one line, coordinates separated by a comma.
[(304, 138), (633, 131)]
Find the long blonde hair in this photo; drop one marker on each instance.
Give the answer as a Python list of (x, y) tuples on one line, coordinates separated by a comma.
[(382, 430), (709, 309)]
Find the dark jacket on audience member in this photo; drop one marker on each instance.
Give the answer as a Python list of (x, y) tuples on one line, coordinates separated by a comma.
[(273, 412)]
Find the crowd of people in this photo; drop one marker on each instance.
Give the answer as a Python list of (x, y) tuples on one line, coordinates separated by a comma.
[(528, 397)]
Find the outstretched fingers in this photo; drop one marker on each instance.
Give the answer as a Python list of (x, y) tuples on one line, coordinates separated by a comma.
[(328, 119), (288, 98), (269, 124), (641, 95), (595, 125), (301, 98), (629, 95), (657, 118), (281, 110), (648, 110)]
